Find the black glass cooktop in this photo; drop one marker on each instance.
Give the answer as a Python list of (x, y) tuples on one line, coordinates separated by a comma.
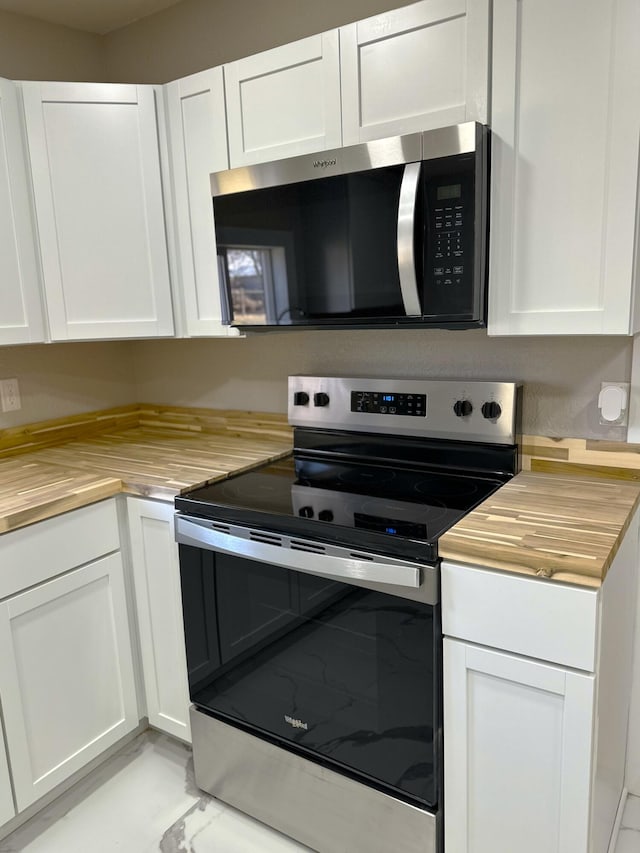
[(391, 508)]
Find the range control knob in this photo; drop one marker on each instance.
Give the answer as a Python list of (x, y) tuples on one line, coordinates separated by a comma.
[(321, 399), (325, 515), (462, 408), (300, 398), (491, 410), (306, 511)]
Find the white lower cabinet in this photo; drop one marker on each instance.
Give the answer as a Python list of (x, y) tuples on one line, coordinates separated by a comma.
[(7, 809), (67, 687), (158, 603), (517, 753), (66, 675), (537, 690)]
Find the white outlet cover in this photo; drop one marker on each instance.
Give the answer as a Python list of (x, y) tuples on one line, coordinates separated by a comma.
[(613, 402)]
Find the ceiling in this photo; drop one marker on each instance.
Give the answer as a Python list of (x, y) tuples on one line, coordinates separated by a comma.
[(93, 16)]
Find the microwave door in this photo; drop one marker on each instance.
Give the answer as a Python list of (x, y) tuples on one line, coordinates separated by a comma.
[(406, 242)]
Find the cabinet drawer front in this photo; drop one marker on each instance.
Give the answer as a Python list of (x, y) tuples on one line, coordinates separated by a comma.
[(36, 553), (529, 616)]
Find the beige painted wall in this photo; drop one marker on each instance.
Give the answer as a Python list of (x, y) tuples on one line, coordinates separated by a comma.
[(35, 50), (199, 34), (67, 379), (562, 375)]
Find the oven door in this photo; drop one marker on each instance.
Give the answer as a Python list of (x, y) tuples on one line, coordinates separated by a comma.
[(335, 657)]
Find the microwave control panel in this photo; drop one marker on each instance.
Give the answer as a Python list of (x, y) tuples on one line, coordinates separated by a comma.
[(449, 250)]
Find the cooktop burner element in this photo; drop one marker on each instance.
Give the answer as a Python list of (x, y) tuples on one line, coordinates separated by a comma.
[(389, 483)]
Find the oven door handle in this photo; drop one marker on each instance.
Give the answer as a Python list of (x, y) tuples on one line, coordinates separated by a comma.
[(197, 533)]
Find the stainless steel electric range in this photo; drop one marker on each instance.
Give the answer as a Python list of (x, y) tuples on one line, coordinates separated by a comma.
[(310, 592)]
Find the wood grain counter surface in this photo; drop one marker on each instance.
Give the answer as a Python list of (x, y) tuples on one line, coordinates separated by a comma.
[(167, 451), (558, 526)]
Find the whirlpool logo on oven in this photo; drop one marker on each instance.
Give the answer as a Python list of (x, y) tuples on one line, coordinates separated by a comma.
[(324, 164), (296, 724)]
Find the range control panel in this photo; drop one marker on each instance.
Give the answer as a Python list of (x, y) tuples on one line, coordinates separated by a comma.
[(431, 408), (389, 403)]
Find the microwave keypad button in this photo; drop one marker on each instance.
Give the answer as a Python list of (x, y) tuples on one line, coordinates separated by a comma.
[(448, 281), (458, 270), (438, 270), (457, 280)]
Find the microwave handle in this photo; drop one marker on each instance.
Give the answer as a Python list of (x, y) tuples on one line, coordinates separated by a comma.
[(406, 243), (223, 284)]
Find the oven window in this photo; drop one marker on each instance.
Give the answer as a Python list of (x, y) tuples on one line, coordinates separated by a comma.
[(343, 675)]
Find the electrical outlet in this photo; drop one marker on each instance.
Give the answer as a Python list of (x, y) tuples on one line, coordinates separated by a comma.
[(10, 395)]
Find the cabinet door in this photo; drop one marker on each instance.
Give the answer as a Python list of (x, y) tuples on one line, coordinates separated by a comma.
[(21, 311), (518, 747), (565, 129), (285, 101), (66, 675), (197, 128), (156, 575), (415, 68), (96, 175), (7, 810)]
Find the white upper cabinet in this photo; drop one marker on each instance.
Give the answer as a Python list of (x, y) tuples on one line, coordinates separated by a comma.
[(285, 101), (197, 131), (20, 306), (415, 68), (98, 193), (566, 121)]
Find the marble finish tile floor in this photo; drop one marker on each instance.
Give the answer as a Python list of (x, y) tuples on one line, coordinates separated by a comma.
[(629, 835), (144, 800)]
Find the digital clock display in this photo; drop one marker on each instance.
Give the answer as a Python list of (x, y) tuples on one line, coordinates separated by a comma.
[(452, 191), (387, 403)]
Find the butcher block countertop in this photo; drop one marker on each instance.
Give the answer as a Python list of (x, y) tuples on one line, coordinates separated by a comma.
[(563, 525), (46, 469), (558, 526)]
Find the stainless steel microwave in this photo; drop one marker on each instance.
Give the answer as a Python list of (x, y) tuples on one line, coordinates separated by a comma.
[(390, 233)]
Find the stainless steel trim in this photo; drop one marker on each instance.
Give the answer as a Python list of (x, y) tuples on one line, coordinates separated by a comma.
[(448, 141), (310, 803), (223, 285), (200, 534), (406, 251), (440, 420), (394, 151)]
